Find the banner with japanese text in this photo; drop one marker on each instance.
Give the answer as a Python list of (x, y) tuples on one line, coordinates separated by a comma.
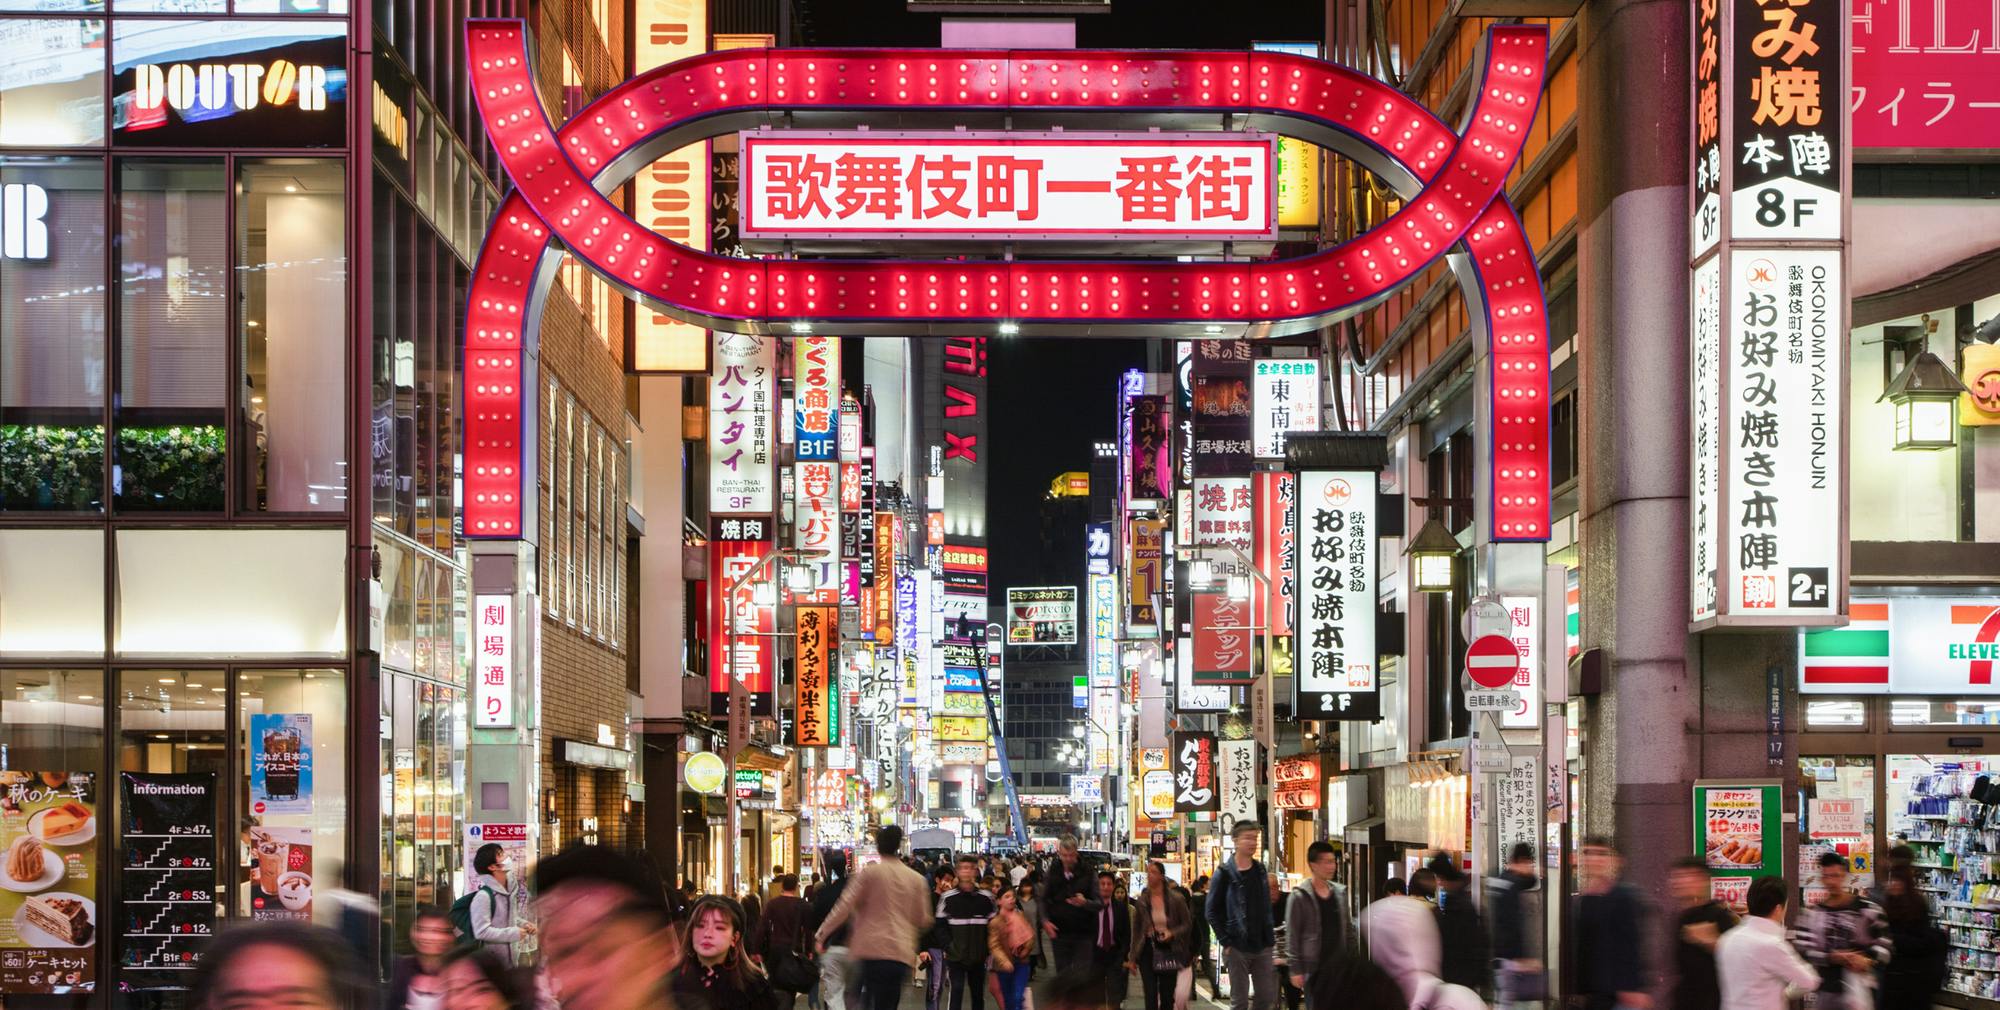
[(742, 408), (1335, 658), (1149, 468), (738, 625), (1222, 408), (1274, 499), (1196, 786), (1225, 642), (816, 680), (1239, 780)]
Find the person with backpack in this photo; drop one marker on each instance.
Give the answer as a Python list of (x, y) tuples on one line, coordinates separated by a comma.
[(484, 916), (778, 944)]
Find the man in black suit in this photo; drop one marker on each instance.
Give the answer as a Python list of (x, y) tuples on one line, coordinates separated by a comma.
[(1111, 938)]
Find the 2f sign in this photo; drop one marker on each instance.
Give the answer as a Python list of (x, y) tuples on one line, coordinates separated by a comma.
[(24, 228)]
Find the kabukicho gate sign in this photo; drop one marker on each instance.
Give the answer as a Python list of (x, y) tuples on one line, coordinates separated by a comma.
[(1452, 183)]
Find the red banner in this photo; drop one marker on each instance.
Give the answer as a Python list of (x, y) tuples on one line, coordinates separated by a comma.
[(733, 648), (1296, 784), (816, 721), (1224, 641), (1277, 549)]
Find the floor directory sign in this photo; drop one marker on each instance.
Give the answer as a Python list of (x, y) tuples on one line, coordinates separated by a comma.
[(167, 876), (48, 915)]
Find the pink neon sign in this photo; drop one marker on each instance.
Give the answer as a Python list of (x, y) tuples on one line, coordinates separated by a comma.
[(557, 173)]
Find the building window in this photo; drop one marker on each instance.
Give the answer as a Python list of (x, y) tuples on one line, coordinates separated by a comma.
[(291, 270), (52, 347), (1920, 496), (1944, 712), (172, 262), (274, 83), (53, 93)]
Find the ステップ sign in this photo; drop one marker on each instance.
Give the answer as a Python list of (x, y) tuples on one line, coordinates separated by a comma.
[(1008, 186)]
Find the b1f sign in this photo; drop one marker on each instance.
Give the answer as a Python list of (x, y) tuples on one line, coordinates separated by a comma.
[(1008, 187), (493, 665)]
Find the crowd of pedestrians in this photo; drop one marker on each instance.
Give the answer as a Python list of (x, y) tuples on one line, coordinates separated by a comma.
[(1066, 935)]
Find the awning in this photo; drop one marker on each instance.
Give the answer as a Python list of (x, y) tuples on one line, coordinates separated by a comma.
[(1360, 832), (762, 759), (591, 755)]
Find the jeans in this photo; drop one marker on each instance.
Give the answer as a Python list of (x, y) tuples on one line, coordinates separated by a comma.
[(962, 977), (934, 980), (1246, 967), (1014, 984), (882, 983), (839, 989)]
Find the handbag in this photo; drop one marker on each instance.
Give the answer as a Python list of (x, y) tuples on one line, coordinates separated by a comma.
[(792, 971), (1165, 960)]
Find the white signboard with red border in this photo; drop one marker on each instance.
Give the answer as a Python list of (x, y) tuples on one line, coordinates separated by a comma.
[(493, 661), (1008, 187)]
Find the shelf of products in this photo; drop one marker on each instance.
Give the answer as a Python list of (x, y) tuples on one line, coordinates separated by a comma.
[(1948, 810)]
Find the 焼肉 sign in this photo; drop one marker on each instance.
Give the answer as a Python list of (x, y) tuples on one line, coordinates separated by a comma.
[(1008, 186)]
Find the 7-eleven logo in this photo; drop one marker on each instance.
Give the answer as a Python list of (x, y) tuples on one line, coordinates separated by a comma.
[(1985, 645)]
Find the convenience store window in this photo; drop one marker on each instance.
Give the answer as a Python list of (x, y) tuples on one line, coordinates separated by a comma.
[(1944, 712), (1836, 713), (1940, 805), (1836, 814)]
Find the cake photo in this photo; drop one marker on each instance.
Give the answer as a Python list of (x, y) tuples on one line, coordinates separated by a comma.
[(65, 821), (63, 917), (26, 860)]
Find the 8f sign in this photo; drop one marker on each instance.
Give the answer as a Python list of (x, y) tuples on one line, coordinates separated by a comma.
[(1451, 183)]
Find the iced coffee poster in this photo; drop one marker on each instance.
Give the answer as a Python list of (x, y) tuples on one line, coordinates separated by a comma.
[(48, 918), (281, 882), (281, 763)]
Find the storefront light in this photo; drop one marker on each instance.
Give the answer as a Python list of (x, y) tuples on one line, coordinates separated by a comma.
[(799, 578), (1201, 574), (1432, 553), (1239, 587), (1925, 396)]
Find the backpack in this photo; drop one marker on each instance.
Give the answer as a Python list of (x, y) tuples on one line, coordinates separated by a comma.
[(460, 916)]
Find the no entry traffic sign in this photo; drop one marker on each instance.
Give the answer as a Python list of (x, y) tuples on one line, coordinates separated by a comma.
[(1491, 661)]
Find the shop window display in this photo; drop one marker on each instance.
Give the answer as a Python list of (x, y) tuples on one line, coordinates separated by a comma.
[(292, 754), (1836, 814), (1947, 809), (172, 758)]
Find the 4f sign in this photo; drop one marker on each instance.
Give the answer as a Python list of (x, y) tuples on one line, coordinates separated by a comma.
[(24, 227)]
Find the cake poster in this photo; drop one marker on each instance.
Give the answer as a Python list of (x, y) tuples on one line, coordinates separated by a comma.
[(48, 920), (281, 746), (281, 873)]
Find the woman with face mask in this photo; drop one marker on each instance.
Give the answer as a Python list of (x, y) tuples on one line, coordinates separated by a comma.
[(715, 973)]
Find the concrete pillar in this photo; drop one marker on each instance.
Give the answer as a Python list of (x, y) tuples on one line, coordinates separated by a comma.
[(656, 481), (1641, 752)]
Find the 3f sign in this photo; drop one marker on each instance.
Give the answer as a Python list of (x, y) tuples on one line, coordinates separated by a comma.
[(24, 228)]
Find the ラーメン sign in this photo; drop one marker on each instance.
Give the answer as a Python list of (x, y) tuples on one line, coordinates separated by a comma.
[(1009, 187)]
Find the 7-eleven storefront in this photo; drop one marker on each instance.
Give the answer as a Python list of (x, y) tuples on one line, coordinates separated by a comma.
[(1900, 744)]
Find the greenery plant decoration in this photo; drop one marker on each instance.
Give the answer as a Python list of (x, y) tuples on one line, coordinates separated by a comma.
[(176, 469), (52, 467)]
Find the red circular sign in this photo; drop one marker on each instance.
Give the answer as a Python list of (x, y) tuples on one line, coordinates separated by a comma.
[(1492, 661)]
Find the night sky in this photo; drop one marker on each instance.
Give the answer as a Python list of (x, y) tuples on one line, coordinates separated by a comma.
[(1052, 398)]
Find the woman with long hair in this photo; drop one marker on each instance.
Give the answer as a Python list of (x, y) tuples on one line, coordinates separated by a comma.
[(477, 978), (1163, 943), (714, 972), (1010, 938)]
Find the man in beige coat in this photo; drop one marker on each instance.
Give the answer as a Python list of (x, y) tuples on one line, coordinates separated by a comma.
[(891, 906)]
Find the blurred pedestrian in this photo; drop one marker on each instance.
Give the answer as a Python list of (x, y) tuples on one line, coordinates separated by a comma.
[(1461, 932), (1520, 978), (1354, 983), (1163, 943), (715, 972), (936, 939), (1113, 943), (1010, 940), (1317, 932), (477, 979), (1031, 910), (1916, 968), (1698, 928), (890, 904), (1401, 934), (1204, 940), (1757, 969), (1288, 992), (280, 964), (608, 939), (1844, 936), (1069, 907), (778, 946), (1239, 910), (414, 982), (839, 981), (1609, 926), (753, 910), (965, 910)]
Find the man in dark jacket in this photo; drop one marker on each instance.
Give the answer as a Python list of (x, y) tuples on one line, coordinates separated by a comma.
[(1317, 933), (936, 940), (1520, 976), (1070, 906), (1699, 927), (780, 933), (964, 912), (1460, 930), (1610, 926), (1111, 938), (1239, 910), (839, 976), (1198, 905)]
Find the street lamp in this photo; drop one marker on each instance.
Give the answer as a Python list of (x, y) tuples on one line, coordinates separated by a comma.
[(1201, 574), (1925, 396), (1239, 587), (1432, 553), (800, 579)]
